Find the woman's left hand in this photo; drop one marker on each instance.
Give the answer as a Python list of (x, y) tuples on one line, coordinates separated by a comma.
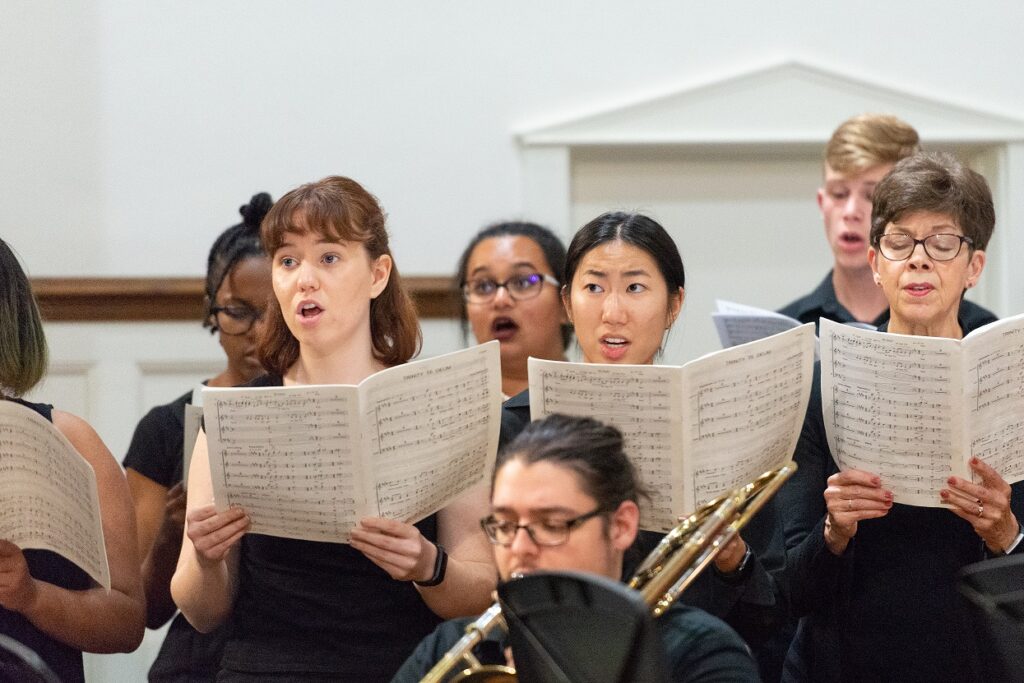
[(986, 506), (17, 587), (396, 547)]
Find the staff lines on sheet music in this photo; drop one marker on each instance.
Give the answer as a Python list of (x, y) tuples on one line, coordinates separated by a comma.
[(892, 394), (430, 489), (769, 391), (439, 410)]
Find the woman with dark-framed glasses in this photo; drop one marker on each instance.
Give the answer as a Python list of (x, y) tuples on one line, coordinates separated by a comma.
[(238, 288), (874, 581), (508, 280), (565, 497)]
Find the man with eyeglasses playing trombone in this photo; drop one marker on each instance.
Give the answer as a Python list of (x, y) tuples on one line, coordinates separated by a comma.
[(565, 497)]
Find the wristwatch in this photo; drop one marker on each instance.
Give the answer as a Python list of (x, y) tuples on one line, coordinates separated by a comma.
[(738, 573), (440, 567)]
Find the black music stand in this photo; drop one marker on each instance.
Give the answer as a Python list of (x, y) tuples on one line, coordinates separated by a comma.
[(572, 627), (994, 590), (20, 664)]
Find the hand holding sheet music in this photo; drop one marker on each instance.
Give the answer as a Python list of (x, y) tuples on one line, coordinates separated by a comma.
[(915, 409), (48, 494), (310, 461)]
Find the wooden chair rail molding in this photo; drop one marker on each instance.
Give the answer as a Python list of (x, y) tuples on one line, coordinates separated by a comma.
[(91, 299)]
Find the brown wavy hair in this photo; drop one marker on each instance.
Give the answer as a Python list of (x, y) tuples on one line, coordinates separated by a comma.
[(339, 209)]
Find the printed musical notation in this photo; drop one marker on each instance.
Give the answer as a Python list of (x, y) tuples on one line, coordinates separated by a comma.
[(48, 494), (696, 431), (309, 461), (915, 409)]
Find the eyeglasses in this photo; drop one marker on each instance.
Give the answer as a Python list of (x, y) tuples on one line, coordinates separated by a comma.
[(235, 320), (519, 287), (546, 533), (898, 246)]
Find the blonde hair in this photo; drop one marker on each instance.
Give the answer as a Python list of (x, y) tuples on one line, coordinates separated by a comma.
[(869, 140)]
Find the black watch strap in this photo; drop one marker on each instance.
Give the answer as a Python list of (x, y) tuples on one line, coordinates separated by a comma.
[(440, 567), (739, 573)]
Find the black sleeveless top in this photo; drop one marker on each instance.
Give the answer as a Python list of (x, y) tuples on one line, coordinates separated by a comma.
[(306, 607), (48, 566)]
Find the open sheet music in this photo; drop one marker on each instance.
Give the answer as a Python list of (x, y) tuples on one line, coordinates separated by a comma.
[(48, 495), (310, 461), (915, 409), (694, 431)]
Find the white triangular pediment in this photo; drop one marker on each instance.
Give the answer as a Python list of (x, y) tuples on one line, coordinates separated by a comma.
[(787, 103)]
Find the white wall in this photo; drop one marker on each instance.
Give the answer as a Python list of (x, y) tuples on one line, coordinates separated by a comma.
[(131, 131)]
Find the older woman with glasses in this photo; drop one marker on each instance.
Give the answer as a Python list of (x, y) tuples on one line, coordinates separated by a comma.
[(506, 277), (567, 485), (237, 291), (873, 580)]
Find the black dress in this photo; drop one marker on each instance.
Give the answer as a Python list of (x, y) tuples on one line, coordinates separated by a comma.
[(308, 609), (44, 565), (186, 655)]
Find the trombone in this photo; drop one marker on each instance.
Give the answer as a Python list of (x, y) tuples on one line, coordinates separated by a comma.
[(666, 572)]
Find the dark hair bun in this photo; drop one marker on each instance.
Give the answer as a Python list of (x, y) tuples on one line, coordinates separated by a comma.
[(255, 210)]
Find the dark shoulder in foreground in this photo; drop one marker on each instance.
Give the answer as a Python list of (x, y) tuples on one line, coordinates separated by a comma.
[(433, 648), (702, 647)]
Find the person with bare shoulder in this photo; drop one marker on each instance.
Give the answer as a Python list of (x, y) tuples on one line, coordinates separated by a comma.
[(46, 602)]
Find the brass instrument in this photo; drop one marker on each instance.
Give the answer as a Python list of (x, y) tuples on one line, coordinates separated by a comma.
[(666, 572)]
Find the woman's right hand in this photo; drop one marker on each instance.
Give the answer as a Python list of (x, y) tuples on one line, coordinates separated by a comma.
[(852, 496), (214, 533)]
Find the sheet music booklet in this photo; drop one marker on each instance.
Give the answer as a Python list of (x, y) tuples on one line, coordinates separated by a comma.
[(739, 323), (48, 494), (914, 409), (310, 461), (694, 431)]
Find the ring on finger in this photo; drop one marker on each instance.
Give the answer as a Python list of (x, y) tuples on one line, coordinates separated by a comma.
[(981, 509)]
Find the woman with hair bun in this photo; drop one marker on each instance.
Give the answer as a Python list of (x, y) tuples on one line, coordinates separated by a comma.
[(237, 291), (306, 610)]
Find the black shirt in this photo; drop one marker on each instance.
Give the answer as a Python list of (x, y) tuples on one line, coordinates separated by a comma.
[(822, 303), (699, 648), (186, 655), (45, 565), (888, 608)]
